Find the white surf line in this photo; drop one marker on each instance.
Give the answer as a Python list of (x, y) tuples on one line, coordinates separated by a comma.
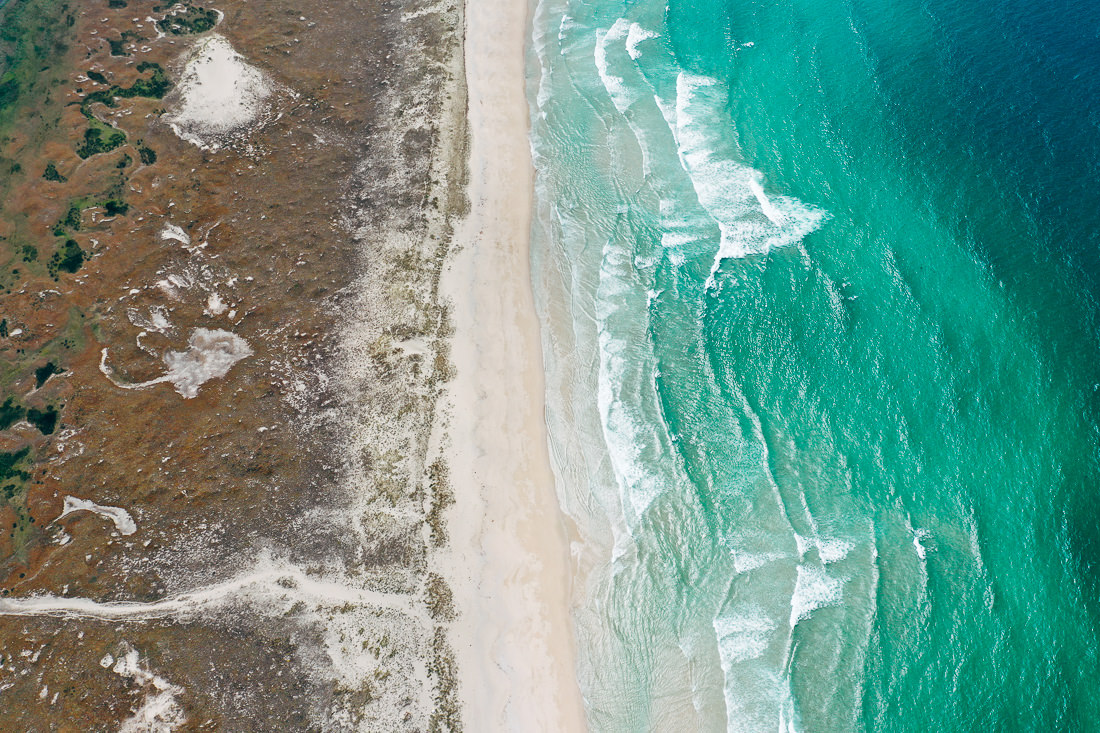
[(287, 583)]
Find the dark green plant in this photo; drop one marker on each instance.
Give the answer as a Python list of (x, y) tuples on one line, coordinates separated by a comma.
[(95, 143), (191, 20), (52, 174), (116, 208), (44, 420), (71, 220), (8, 462), (68, 259), (44, 372), (11, 413)]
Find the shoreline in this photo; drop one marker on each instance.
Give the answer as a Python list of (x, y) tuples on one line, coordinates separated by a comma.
[(508, 559)]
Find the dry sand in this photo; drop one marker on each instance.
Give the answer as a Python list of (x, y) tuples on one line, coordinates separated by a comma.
[(511, 569)]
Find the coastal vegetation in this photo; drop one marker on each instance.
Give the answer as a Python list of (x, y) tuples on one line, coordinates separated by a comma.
[(118, 46), (103, 138), (189, 19), (442, 497), (12, 474), (51, 173), (69, 258)]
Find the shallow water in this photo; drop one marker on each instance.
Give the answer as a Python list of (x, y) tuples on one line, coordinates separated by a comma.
[(819, 285)]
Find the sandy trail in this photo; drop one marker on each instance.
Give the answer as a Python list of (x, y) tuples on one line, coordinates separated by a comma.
[(271, 587)]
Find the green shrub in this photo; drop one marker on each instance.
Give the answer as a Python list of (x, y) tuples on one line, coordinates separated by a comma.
[(11, 413), (95, 143), (52, 174), (44, 372), (192, 20), (8, 461), (44, 420), (71, 220), (68, 259), (116, 208)]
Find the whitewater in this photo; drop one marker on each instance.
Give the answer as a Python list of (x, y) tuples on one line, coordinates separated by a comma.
[(812, 433)]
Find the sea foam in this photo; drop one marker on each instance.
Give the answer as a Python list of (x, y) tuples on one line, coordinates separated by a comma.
[(750, 221)]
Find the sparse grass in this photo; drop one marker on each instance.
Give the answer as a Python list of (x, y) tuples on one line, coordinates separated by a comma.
[(102, 138), (118, 47), (442, 667), (440, 599), (442, 496)]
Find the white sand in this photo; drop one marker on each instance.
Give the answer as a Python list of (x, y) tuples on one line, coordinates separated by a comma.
[(121, 518), (210, 354), (219, 94), (511, 570), (175, 232), (159, 712)]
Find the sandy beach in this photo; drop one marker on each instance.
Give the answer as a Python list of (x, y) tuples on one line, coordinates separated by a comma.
[(509, 550)]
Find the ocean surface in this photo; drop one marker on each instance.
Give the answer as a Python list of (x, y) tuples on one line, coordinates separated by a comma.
[(819, 285)]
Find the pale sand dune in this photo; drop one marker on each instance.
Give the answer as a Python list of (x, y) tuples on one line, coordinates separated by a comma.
[(511, 570)]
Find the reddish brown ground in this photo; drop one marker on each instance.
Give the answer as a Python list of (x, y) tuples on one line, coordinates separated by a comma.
[(206, 479)]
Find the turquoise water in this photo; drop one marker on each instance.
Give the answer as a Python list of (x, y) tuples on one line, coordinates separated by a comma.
[(819, 286)]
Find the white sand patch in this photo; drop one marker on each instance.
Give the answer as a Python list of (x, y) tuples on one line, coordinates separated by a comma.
[(157, 320), (215, 306), (159, 711), (414, 347), (174, 232), (219, 94), (210, 355), (121, 518)]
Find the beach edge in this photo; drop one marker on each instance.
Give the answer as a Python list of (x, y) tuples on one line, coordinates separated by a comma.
[(508, 557)]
